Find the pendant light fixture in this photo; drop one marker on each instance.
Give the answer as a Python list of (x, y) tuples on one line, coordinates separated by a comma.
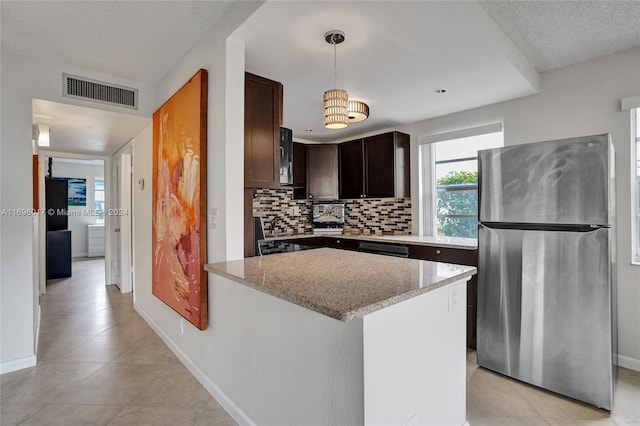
[(357, 110), (336, 101)]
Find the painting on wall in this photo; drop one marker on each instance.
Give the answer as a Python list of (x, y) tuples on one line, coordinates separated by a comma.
[(77, 190), (179, 201)]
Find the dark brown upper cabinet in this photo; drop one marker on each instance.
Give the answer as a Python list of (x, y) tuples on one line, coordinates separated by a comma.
[(351, 169), (375, 167), (262, 120), (322, 172)]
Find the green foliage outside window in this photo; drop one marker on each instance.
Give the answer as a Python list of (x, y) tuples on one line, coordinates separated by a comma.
[(461, 201)]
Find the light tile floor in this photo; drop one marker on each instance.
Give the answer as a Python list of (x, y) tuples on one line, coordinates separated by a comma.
[(99, 363)]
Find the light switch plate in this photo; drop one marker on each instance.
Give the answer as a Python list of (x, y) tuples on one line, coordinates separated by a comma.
[(212, 218)]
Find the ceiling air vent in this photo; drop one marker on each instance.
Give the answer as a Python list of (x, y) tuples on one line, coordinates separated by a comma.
[(99, 91)]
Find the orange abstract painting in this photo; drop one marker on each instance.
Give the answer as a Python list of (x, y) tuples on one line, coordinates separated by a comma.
[(179, 201)]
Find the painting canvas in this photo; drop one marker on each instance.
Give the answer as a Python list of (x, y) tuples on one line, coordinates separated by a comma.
[(77, 190), (179, 201)]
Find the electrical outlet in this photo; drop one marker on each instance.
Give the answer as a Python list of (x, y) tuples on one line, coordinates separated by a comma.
[(453, 299)]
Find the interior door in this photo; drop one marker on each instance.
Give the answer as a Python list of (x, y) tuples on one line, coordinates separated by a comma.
[(116, 273), (121, 221)]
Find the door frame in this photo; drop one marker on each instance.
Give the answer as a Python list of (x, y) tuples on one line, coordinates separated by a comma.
[(124, 251), (42, 263)]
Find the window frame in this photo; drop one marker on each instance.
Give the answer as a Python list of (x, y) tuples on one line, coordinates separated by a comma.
[(99, 219), (635, 186), (453, 188), (427, 191)]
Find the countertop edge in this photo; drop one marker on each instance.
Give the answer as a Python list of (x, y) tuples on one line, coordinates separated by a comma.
[(394, 239), (353, 314)]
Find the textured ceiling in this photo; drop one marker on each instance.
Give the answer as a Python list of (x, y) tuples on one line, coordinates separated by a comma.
[(554, 34)]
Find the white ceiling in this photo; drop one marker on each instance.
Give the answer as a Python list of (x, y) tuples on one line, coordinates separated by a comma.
[(396, 54), (86, 130)]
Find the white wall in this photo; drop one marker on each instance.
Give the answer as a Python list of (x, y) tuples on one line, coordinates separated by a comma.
[(224, 61), (78, 224), (22, 80), (577, 100)]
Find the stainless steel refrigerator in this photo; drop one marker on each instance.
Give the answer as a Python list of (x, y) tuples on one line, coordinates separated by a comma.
[(546, 266)]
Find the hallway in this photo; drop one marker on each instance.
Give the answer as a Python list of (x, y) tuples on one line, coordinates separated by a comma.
[(99, 363)]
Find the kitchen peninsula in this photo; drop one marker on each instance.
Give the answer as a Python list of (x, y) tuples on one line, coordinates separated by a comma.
[(328, 336)]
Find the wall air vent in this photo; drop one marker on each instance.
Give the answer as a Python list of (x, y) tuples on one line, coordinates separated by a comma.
[(99, 91)]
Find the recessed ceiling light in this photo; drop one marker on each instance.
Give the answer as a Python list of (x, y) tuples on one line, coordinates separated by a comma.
[(440, 90)]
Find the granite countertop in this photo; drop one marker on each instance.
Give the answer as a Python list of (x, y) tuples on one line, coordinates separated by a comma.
[(341, 284), (445, 242)]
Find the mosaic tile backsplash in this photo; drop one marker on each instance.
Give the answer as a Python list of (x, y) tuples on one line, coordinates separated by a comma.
[(280, 213), (379, 216), (283, 215)]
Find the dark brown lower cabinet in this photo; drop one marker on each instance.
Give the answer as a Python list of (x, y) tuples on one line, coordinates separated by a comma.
[(340, 243)]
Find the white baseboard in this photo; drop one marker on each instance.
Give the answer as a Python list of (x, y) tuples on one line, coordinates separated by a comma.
[(37, 330), (18, 364), (630, 363), (234, 411), (30, 361)]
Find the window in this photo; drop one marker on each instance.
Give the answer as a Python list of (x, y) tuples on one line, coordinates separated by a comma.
[(99, 197), (449, 177), (635, 173)]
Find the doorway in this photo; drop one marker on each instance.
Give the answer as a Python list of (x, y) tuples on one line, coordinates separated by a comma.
[(86, 134)]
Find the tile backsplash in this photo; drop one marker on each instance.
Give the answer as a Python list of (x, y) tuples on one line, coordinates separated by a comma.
[(280, 213), (379, 216), (284, 215)]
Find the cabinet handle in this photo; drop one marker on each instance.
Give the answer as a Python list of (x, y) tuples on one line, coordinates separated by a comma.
[(437, 251)]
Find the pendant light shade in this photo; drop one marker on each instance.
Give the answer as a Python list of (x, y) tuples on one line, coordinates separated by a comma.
[(357, 111), (336, 109), (335, 100)]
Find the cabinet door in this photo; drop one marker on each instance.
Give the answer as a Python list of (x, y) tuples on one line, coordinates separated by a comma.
[(386, 165), (340, 243), (322, 172), (261, 132), (350, 169), (299, 171), (379, 166)]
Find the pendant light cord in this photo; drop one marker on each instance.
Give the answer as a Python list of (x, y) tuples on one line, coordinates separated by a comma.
[(335, 62)]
